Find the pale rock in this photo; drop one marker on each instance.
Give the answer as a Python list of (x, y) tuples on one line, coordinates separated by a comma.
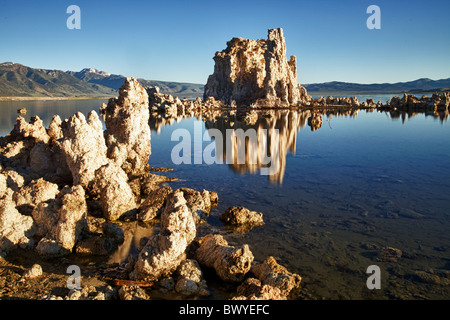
[(61, 221), (34, 271), (133, 292), (54, 128), (116, 196), (256, 72), (127, 132), (34, 129), (190, 279), (83, 146), (37, 191), (15, 228), (164, 252)]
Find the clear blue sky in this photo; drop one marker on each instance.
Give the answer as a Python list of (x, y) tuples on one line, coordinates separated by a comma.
[(176, 40)]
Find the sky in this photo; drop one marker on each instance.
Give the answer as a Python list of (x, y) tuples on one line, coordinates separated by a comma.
[(176, 40)]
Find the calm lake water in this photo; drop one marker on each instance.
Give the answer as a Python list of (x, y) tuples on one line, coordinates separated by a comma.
[(361, 182)]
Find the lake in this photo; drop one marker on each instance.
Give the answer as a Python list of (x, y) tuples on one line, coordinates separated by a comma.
[(360, 182)]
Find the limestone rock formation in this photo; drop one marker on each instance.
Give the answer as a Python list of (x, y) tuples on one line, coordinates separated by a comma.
[(33, 129), (127, 132), (116, 197), (83, 146), (153, 203), (15, 229), (276, 275), (199, 203), (231, 263), (256, 72), (190, 279), (253, 289), (61, 221), (240, 216), (164, 252)]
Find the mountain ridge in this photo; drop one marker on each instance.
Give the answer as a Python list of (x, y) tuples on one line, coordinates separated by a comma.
[(17, 80)]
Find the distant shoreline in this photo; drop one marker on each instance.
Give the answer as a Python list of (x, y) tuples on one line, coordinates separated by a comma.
[(50, 98)]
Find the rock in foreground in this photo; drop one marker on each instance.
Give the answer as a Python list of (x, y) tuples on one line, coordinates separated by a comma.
[(231, 263)]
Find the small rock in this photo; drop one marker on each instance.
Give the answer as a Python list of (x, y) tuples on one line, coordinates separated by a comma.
[(276, 275), (33, 272), (231, 263), (241, 215), (411, 214), (253, 289), (390, 254), (133, 292)]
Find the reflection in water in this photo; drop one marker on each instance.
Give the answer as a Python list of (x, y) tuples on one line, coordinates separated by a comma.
[(45, 109), (260, 142)]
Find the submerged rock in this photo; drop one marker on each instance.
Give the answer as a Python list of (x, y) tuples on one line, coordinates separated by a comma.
[(276, 275), (231, 263), (242, 217), (256, 72), (390, 254)]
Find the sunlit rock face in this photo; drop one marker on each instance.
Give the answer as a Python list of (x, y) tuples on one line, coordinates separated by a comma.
[(127, 132), (256, 72)]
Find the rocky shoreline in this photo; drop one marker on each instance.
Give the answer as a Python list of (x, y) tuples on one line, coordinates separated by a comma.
[(70, 190), (73, 193)]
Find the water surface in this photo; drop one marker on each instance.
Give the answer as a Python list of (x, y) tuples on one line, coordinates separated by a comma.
[(359, 182)]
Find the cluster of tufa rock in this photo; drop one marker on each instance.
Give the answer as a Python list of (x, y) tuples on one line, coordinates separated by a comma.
[(53, 180), (256, 72)]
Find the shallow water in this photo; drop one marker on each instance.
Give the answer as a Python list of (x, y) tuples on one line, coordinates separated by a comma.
[(360, 182)]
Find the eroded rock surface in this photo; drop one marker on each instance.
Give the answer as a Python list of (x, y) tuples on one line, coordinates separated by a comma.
[(127, 131), (164, 252), (61, 221), (253, 289), (231, 263), (256, 72), (276, 275), (15, 229), (83, 146), (116, 196), (242, 217)]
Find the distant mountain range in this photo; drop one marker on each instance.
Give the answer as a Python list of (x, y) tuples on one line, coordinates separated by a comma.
[(17, 80), (416, 86)]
